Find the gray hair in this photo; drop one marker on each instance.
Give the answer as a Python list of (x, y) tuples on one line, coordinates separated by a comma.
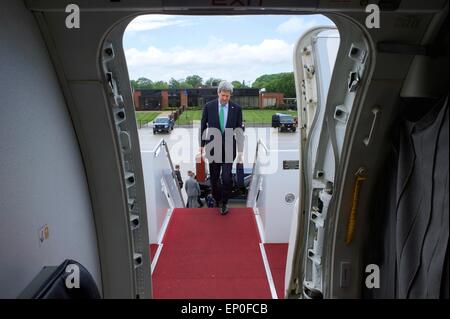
[(225, 86)]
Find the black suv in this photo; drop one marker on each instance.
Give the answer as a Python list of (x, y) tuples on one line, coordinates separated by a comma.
[(284, 122), (162, 124)]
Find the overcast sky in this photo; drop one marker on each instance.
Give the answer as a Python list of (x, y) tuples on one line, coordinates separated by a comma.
[(239, 48)]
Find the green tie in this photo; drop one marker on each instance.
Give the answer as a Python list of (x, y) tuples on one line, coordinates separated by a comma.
[(222, 117)]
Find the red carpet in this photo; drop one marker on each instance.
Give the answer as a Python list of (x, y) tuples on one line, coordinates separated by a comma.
[(153, 249), (276, 254), (206, 255)]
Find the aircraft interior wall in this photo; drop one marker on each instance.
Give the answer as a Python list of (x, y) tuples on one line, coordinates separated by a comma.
[(42, 176), (410, 244)]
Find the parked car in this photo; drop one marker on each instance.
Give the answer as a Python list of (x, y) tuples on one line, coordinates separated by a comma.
[(284, 122), (163, 124)]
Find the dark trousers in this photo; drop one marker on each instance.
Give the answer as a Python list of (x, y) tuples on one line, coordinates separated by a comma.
[(199, 201), (221, 190)]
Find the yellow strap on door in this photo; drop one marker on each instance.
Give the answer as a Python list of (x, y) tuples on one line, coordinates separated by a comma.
[(351, 225)]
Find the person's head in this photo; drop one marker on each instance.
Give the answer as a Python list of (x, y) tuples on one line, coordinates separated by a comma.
[(177, 167), (224, 91), (190, 173)]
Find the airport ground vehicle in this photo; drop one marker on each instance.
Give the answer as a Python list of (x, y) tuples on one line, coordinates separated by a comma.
[(78, 163), (284, 122), (162, 124)]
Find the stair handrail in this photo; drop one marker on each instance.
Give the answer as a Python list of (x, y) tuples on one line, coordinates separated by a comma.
[(162, 142), (266, 149)]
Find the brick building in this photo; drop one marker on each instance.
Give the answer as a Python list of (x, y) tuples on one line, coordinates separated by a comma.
[(150, 99)]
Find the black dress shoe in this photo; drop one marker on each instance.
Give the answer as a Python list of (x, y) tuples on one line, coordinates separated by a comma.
[(224, 209)]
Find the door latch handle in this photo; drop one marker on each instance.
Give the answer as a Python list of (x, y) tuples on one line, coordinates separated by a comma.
[(376, 114), (353, 81)]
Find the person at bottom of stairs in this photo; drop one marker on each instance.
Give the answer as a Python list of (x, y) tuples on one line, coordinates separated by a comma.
[(192, 190)]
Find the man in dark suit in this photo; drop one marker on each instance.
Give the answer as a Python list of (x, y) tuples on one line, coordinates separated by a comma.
[(220, 134), (178, 174)]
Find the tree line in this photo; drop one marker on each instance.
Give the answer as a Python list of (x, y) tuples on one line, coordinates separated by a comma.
[(280, 82)]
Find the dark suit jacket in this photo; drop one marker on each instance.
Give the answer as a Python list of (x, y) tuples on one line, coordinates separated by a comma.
[(210, 119), (180, 180)]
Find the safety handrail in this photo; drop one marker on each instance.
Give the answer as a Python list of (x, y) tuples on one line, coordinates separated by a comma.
[(260, 142), (162, 142)]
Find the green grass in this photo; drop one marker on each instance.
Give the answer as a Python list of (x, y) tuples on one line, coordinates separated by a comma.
[(263, 116), (143, 117), (250, 116), (188, 116)]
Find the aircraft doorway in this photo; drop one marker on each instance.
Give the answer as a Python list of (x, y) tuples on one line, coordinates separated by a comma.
[(197, 252)]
